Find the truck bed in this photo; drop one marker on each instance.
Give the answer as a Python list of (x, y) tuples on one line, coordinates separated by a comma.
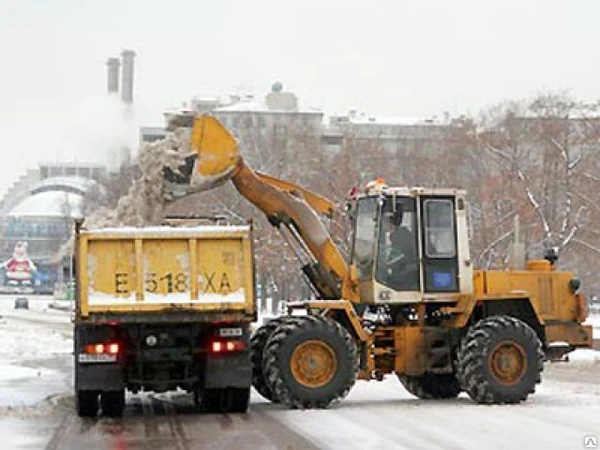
[(205, 269)]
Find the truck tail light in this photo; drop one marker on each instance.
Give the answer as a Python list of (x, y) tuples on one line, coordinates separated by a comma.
[(102, 349), (227, 346), (113, 349)]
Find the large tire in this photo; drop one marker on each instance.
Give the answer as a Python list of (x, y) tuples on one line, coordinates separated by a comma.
[(500, 361), (226, 400), (257, 345), (112, 403), (87, 403), (432, 386), (309, 362)]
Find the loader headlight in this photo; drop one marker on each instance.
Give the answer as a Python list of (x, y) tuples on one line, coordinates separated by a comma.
[(574, 284), (151, 340)]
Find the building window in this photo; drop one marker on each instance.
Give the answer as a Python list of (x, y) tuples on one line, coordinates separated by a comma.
[(248, 122), (280, 130), (261, 122)]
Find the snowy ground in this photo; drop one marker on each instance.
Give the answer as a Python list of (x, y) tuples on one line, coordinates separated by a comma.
[(36, 407), (35, 353), (594, 320)]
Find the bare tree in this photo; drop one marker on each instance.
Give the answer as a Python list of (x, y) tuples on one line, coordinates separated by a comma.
[(542, 152)]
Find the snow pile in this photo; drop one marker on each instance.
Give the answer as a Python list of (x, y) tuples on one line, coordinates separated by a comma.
[(147, 198)]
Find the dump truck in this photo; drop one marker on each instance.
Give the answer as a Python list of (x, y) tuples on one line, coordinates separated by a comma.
[(407, 302), (162, 308)]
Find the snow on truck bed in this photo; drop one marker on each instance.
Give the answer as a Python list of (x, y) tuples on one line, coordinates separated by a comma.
[(176, 298), (169, 231)]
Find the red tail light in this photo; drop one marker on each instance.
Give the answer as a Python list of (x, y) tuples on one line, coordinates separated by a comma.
[(217, 347), (99, 349), (227, 346), (113, 349)]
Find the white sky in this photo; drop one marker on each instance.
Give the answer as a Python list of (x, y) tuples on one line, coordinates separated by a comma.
[(383, 57)]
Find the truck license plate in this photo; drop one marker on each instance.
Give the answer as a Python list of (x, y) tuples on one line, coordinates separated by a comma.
[(230, 332), (100, 358)]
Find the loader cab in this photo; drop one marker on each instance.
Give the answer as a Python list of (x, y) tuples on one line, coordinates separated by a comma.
[(411, 245)]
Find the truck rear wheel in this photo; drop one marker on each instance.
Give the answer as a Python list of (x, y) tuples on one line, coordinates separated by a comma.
[(310, 362), (432, 386), (226, 400), (257, 345), (112, 403), (500, 360), (87, 403)]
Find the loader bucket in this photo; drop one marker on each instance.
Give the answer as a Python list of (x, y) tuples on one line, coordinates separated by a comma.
[(213, 161)]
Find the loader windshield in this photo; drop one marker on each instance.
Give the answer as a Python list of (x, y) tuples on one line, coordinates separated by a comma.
[(397, 252), (364, 237)]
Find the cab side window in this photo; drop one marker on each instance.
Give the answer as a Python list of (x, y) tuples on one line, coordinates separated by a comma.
[(439, 229)]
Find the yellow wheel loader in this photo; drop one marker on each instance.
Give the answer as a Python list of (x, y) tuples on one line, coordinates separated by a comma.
[(409, 300)]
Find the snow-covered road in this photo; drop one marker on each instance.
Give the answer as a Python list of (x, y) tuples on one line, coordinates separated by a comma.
[(36, 408)]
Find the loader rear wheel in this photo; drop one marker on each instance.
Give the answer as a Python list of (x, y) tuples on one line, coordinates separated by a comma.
[(257, 345), (500, 360), (432, 386), (310, 361)]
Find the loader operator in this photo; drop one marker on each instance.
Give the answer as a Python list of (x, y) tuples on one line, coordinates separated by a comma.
[(401, 269)]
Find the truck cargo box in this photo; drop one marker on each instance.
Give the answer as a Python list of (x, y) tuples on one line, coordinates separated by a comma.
[(193, 269)]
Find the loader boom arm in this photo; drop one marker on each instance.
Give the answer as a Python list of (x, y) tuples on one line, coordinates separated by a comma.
[(283, 203)]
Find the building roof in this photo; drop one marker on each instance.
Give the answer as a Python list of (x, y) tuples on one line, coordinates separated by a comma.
[(260, 106), (73, 184), (363, 119), (50, 204), (400, 120)]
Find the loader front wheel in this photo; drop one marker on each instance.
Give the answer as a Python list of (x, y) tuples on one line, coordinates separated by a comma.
[(500, 360), (310, 362), (257, 345), (432, 386)]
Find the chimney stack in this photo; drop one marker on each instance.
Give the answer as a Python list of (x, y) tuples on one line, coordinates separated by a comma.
[(127, 57), (113, 75)]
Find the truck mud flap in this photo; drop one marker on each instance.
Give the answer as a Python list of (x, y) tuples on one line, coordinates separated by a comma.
[(100, 377), (228, 371)]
